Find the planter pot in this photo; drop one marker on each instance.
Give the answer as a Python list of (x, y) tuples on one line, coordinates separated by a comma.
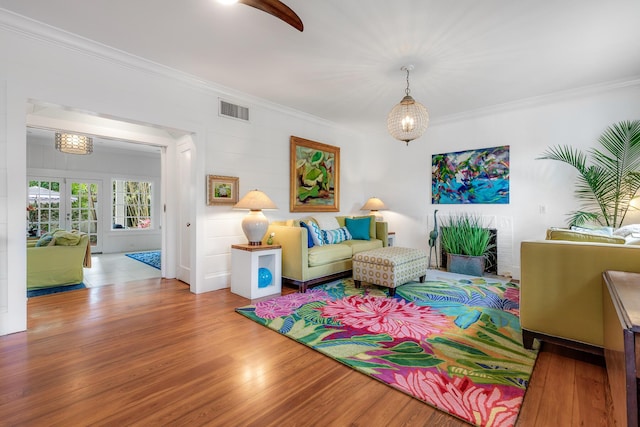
[(464, 264)]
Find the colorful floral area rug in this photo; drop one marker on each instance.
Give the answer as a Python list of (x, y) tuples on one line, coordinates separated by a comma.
[(453, 342)]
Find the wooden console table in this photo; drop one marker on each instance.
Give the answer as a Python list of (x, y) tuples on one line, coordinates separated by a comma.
[(621, 314)]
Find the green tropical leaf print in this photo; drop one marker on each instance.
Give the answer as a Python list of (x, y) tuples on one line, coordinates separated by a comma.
[(407, 347), (317, 157), (410, 359), (312, 313)]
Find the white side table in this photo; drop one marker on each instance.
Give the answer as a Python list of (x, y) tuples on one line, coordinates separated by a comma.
[(391, 238), (246, 262)]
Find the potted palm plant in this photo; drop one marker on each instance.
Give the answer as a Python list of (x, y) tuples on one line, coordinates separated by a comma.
[(466, 243), (607, 183)]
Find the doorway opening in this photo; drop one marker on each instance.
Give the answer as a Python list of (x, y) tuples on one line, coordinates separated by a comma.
[(124, 152)]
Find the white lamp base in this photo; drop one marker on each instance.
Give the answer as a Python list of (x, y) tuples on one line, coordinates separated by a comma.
[(255, 226)]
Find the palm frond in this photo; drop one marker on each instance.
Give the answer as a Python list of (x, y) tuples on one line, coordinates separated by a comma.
[(606, 186)]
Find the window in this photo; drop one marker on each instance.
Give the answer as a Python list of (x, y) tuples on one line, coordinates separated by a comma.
[(131, 205), (43, 207)]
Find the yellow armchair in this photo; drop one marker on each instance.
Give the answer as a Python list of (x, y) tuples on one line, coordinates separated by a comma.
[(561, 289)]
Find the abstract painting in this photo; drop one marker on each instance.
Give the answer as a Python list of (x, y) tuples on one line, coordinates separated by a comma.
[(315, 176), (471, 177)]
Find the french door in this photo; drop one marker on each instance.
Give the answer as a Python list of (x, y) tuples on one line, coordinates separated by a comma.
[(66, 203)]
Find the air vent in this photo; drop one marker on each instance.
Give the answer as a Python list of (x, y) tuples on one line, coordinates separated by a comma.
[(234, 111)]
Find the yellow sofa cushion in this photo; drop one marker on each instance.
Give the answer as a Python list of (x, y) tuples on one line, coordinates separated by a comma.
[(581, 236), (363, 245), (322, 255)]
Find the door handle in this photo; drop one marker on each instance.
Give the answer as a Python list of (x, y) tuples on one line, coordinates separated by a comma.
[(188, 224)]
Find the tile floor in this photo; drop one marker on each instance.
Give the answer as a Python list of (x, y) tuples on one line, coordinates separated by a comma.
[(110, 269)]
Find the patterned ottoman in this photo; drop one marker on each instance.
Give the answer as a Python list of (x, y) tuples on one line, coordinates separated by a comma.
[(391, 266)]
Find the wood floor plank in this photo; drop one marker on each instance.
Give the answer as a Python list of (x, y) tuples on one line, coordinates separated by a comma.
[(153, 353), (590, 408)]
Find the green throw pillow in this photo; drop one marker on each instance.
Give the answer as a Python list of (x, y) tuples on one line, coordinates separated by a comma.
[(65, 238), (359, 228)]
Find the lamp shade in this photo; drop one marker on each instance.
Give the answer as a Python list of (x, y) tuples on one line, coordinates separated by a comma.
[(255, 200), (255, 224), (373, 204), (73, 144)]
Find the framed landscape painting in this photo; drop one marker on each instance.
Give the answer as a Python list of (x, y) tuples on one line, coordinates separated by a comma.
[(314, 176), (471, 177), (222, 190)]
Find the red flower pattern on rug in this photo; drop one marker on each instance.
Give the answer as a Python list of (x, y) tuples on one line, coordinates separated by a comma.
[(398, 318), (460, 396)]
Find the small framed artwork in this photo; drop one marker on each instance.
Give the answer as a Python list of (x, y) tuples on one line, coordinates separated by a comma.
[(315, 176), (222, 190)]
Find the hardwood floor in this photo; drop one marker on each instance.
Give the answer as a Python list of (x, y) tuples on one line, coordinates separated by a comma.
[(152, 353)]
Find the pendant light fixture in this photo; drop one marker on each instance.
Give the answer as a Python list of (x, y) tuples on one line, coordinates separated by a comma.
[(409, 119), (73, 144)]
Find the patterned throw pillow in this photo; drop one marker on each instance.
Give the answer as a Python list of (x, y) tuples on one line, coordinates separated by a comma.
[(316, 235), (335, 236)]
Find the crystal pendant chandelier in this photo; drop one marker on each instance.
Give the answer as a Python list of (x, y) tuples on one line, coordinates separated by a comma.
[(409, 119)]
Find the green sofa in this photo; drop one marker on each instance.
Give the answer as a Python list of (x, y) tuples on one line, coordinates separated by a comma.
[(303, 266), (57, 265)]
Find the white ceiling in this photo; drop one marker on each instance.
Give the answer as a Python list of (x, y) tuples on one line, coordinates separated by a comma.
[(345, 66)]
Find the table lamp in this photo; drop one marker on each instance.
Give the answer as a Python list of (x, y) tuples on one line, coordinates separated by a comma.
[(374, 205), (255, 224)]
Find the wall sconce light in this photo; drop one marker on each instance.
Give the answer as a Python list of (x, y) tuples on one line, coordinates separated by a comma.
[(70, 143), (255, 224)]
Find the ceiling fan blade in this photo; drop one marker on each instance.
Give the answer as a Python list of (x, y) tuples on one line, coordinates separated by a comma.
[(277, 9)]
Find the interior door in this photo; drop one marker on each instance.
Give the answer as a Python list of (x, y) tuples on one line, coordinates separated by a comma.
[(84, 213), (184, 214)]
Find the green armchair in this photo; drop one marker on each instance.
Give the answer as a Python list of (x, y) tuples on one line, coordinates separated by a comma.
[(50, 266)]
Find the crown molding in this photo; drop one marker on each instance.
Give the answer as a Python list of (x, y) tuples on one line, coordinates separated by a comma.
[(46, 33), (539, 100)]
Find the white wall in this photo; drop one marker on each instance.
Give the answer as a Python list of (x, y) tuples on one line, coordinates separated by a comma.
[(111, 84), (43, 161), (258, 153), (529, 128)]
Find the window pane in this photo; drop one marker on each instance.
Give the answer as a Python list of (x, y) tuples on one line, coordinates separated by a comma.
[(131, 205)]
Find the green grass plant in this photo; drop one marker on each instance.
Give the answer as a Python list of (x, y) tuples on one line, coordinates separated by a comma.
[(463, 234)]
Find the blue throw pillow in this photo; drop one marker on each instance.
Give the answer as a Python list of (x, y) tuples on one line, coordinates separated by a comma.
[(309, 238), (44, 240), (330, 237), (359, 227)]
